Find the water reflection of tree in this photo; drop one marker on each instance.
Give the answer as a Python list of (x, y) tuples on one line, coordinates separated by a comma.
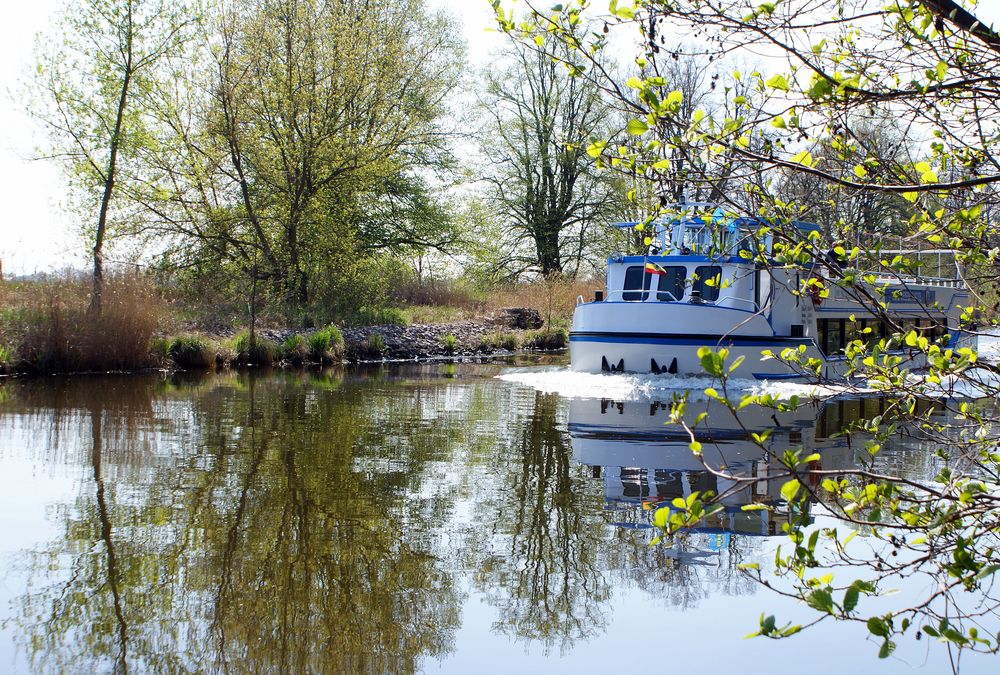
[(541, 568), (252, 543), (685, 572)]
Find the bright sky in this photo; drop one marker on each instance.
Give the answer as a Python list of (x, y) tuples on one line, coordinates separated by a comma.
[(35, 233)]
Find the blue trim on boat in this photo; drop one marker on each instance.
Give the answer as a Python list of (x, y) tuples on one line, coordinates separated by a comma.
[(689, 340), (778, 376), (669, 303)]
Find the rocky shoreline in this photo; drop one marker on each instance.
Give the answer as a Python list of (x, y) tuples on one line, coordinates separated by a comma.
[(492, 334), (504, 332)]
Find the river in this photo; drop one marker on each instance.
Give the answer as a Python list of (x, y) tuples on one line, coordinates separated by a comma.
[(438, 517)]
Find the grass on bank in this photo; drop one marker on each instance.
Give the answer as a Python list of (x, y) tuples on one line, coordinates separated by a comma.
[(48, 327)]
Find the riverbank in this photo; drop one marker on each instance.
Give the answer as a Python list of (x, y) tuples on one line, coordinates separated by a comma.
[(509, 330), (48, 326)]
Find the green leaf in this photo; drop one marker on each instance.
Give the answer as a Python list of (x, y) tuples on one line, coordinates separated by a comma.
[(790, 489), (661, 517), (820, 600), (636, 127), (777, 82), (804, 158), (878, 626), (989, 570), (851, 599), (596, 148)]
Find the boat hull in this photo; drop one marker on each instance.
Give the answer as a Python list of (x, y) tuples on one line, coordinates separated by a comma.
[(679, 355), (666, 337)]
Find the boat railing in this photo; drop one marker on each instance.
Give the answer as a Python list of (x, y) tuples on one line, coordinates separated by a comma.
[(940, 282), (953, 279)]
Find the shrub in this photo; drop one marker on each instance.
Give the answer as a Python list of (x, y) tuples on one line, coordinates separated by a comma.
[(327, 345), (496, 341), (295, 350), (547, 339), (6, 357), (59, 334), (449, 343), (382, 316), (192, 351), (225, 355), (375, 344), (161, 347), (256, 352)]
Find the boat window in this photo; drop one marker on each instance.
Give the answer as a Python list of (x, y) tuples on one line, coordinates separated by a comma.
[(708, 279), (671, 284), (831, 334), (636, 280)]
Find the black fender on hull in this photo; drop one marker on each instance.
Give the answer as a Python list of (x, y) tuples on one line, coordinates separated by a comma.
[(608, 368), (654, 367)]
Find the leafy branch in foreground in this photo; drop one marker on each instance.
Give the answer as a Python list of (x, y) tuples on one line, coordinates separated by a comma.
[(942, 526), (791, 137)]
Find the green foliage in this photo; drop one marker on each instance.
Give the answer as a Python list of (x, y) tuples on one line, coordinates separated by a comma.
[(541, 118), (492, 342), (449, 343), (258, 351), (160, 347), (327, 345), (547, 339), (6, 358), (315, 237), (380, 316), (295, 350), (192, 351), (375, 345)]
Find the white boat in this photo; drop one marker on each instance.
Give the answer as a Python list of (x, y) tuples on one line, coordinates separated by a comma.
[(694, 289)]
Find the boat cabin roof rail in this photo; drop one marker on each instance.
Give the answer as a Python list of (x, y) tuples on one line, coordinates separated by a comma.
[(708, 229), (940, 270)]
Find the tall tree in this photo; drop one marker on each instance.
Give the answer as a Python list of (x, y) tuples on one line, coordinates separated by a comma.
[(95, 77), (320, 133), (543, 185)]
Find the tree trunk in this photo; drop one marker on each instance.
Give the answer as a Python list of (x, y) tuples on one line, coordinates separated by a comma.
[(547, 245), (97, 297)]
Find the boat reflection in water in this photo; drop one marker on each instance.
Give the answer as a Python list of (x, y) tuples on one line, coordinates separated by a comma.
[(646, 462)]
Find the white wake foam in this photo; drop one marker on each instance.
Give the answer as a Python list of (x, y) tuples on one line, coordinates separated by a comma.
[(989, 347), (636, 386)]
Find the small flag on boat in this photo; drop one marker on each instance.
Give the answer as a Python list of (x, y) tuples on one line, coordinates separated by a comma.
[(653, 268)]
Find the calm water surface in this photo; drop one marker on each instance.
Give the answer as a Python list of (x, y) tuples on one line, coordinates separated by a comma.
[(405, 518)]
